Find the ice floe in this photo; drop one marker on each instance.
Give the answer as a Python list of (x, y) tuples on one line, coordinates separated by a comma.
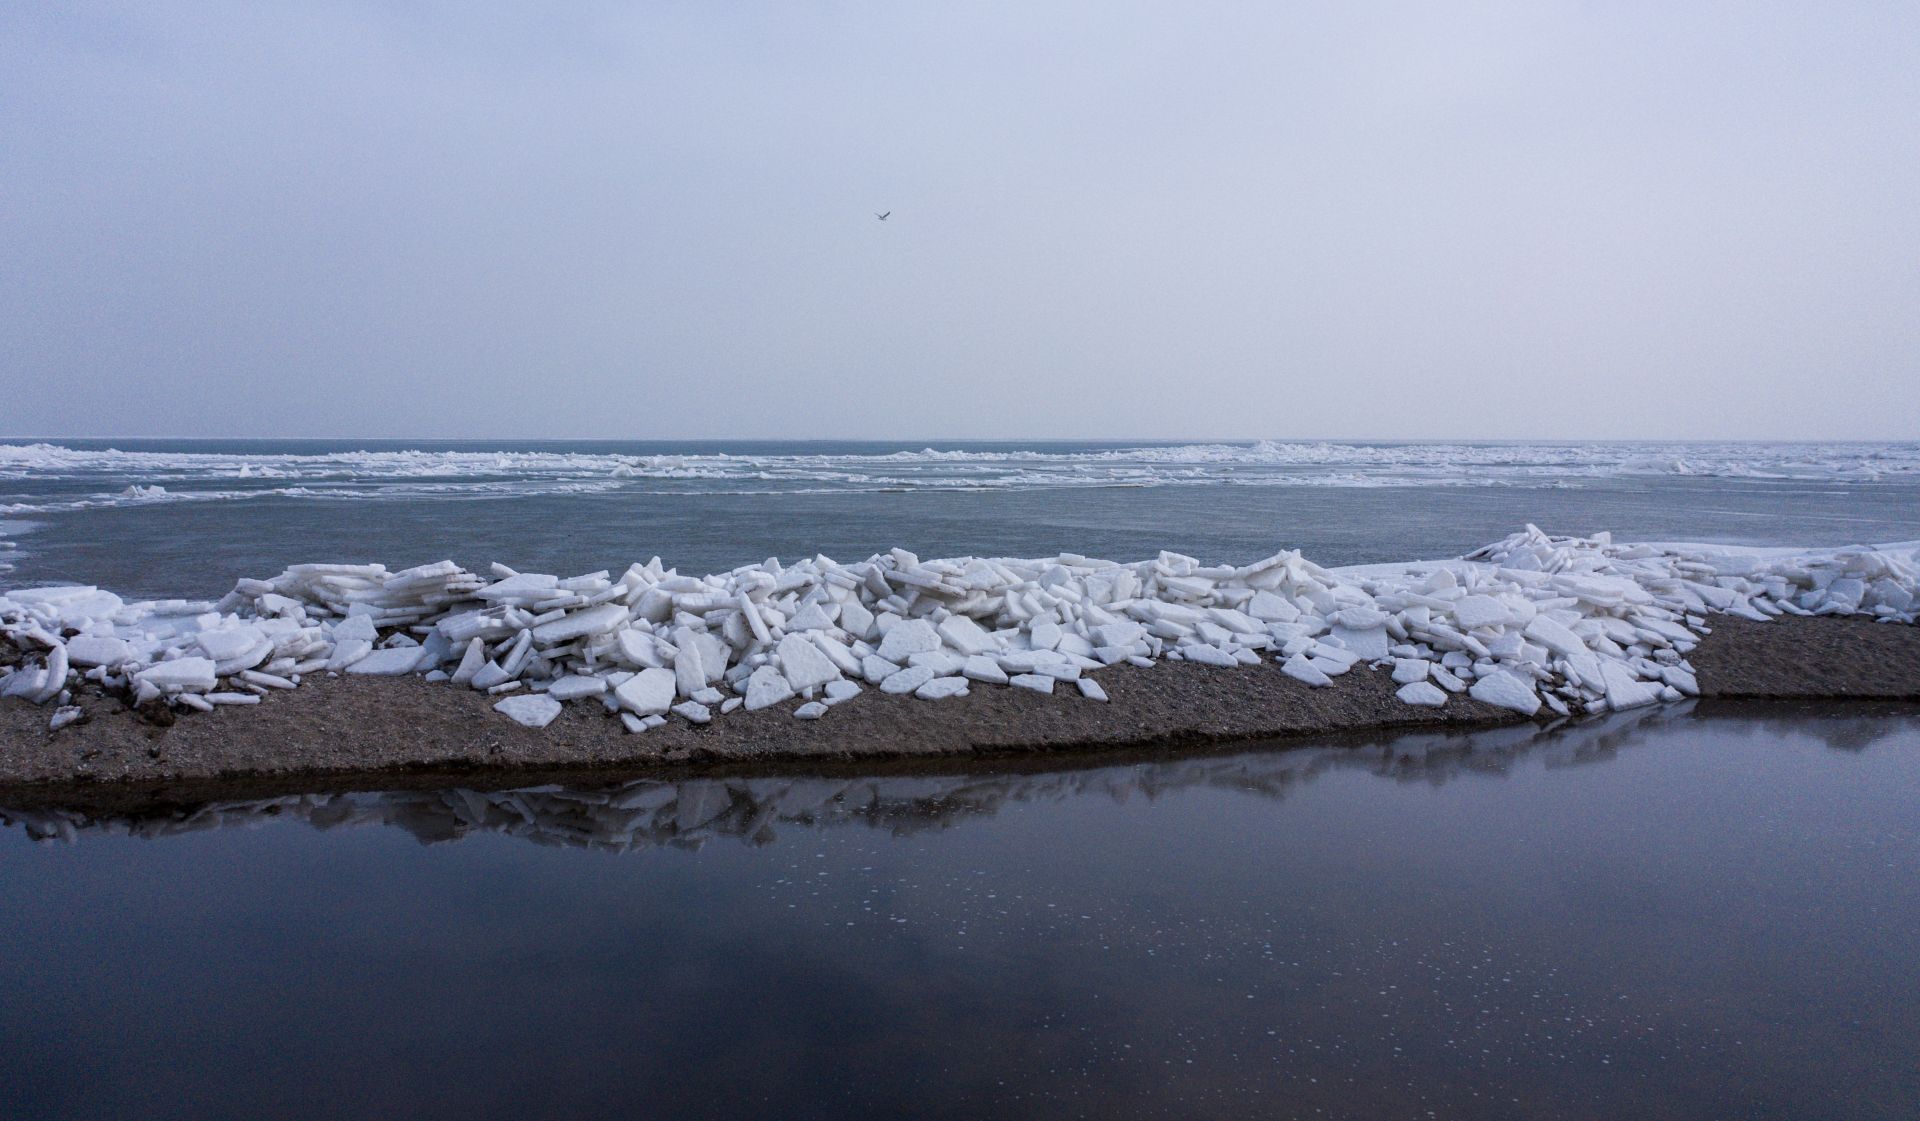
[(103, 477), (1532, 622)]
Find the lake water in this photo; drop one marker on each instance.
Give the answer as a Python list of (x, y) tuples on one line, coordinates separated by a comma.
[(179, 518), (1687, 914), (1674, 915)]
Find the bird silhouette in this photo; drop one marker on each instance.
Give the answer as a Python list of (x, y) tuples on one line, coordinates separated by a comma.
[(883, 217)]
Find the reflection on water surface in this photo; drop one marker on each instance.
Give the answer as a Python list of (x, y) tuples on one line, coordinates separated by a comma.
[(1667, 914), (648, 812)]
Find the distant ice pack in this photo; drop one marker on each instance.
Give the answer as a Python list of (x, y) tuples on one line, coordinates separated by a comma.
[(143, 477)]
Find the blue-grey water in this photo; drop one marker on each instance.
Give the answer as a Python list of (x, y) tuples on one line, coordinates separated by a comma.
[(1712, 917), (1668, 915), (181, 518)]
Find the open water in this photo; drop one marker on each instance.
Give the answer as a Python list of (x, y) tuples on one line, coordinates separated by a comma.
[(178, 518), (1670, 914), (1663, 915)]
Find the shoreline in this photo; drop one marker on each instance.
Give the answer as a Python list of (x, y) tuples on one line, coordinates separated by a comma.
[(750, 804), (377, 732)]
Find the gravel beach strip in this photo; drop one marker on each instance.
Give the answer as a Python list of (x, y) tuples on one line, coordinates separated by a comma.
[(364, 732)]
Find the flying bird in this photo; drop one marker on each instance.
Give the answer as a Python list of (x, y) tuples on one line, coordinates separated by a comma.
[(883, 217)]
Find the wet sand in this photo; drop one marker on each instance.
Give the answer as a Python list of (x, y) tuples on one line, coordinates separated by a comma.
[(365, 732)]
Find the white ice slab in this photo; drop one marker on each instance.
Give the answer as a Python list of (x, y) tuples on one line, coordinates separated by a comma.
[(533, 710)]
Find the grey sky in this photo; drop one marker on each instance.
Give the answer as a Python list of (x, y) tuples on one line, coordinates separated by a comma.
[(1529, 219)]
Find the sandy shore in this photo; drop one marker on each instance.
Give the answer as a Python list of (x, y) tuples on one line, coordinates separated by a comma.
[(367, 732)]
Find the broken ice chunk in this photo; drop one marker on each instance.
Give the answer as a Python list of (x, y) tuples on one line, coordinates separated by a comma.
[(689, 664), (98, 650), (647, 693), (802, 663), (810, 617), (1369, 643), (907, 680), (576, 685), (1473, 612), (193, 675), (388, 663), (942, 687), (1044, 634), (1505, 689), (1624, 690), (982, 668), (943, 662), (965, 635), (532, 710), (236, 649), (1422, 693), (489, 676), (1555, 637), (908, 636), (593, 620), (1208, 655), (348, 652), (1301, 668), (766, 687)]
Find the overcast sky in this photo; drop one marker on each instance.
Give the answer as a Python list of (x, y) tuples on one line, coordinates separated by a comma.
[(1527, 219)]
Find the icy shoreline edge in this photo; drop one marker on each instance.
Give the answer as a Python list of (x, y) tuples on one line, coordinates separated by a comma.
[(378, 733), (1533, 624)]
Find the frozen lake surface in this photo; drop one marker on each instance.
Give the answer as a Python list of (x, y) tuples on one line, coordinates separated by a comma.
[(1668, 914)]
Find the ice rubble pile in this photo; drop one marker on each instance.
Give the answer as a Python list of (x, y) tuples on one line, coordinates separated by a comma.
[(1569, 624)]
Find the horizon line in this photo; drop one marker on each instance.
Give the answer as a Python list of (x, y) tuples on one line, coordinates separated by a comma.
[(1128, 439)]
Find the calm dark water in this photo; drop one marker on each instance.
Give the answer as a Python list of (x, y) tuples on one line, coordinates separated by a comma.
[(1679, 915)]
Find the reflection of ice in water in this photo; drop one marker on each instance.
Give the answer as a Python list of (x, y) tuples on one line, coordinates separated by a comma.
[(652, 812), (648, 813)]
